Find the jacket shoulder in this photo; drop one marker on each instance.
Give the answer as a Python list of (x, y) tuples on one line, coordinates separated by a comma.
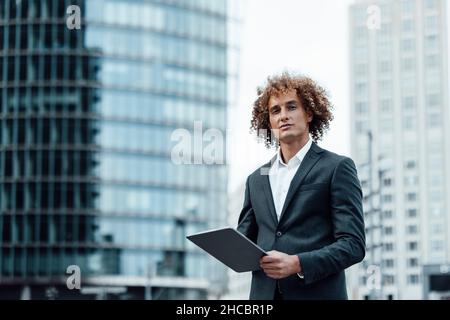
[(335, 159), (261, 171)]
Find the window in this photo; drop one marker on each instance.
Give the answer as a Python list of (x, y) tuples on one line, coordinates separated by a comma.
[(361, 33), (411, 181), (386, 105), (384, 49), (388, 230), (410, 151), (436, 211), (361, 108), (434, 120), (431, 61), (433, 82), (387, 198), (407, 6), (412, 245), (437, 229), (386, 124), (361, 52), (363, 281), (431, 23), (411, 196), (411, 229), (361, 89), (412, 212), (361, 126), (413, 262), (409, 122), (385, 27), (430, 4), (407, 64), (435, 196), (434, 147), (385, 66), (389, 246), (435, 160), (431, 42), (408, 44), (408, 84), (437, 245), (408, 103), (387, 182), (432, 100), (413, 279), (388, 263), (385, 87), (410, 164), (361, 69), (436, 180), (408, 25), (389, 279), (387, 214)]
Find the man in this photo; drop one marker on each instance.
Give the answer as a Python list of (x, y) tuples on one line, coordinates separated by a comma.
[(305, 206)]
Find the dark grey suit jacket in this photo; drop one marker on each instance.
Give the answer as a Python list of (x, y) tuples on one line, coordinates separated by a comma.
[(321, 222)]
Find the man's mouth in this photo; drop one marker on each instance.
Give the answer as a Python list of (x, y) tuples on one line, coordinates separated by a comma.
[(285, 126)]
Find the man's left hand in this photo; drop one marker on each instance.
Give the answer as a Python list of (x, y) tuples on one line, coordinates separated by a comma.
[(279, 265)]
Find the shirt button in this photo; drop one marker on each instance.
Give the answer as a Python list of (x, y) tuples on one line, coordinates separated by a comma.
[(279, 234)]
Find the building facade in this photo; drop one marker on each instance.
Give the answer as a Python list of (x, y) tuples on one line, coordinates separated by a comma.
[(239, 284), (87, 122), (401, 141)]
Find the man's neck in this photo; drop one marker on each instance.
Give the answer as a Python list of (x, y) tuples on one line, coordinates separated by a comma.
[(289, 150)]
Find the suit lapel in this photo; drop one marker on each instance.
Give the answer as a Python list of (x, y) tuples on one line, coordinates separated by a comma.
[(264, 176), (311, 157)]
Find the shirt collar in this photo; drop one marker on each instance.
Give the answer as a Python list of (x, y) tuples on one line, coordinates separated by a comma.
[(298, 158)]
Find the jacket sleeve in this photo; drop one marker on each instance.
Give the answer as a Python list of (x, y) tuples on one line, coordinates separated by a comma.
[(348, 227), (247, 223)]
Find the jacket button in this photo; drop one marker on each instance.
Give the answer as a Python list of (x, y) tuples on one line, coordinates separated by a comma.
[(279, 233)]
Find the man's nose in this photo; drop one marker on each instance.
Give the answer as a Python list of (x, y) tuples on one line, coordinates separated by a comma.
[(283, 114)]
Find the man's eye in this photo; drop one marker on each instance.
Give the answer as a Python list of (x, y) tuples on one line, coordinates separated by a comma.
[(292, 106)]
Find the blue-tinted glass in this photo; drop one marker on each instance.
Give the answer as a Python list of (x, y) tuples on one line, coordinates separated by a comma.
[(149, 80)]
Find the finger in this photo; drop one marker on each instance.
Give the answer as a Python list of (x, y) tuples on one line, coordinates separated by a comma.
[(273, 254), (268, 259), (273, 275), (273, 262), (270, 268)]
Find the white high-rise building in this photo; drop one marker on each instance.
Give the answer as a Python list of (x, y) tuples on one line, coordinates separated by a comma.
[(400, 142)]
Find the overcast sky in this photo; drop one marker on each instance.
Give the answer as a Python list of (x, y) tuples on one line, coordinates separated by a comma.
[(310, 37)]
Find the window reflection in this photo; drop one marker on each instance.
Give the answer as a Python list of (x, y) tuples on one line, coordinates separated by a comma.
[(123, 199)]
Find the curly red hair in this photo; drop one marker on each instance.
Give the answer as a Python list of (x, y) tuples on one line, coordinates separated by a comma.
[(313, 97)]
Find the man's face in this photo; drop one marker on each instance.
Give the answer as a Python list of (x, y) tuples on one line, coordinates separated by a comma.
[(288, 119)]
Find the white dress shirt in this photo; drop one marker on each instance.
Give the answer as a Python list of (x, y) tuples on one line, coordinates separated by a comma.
[(281, 175)]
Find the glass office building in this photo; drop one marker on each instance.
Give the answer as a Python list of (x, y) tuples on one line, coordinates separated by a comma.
[(87, 117)]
